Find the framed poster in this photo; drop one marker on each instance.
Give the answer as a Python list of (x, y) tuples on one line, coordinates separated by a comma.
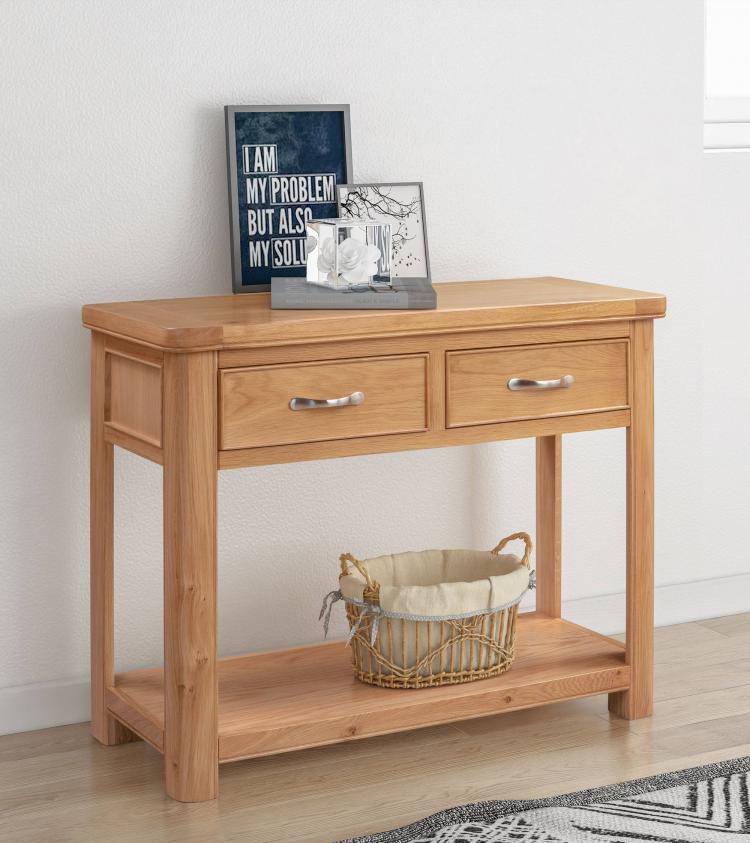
[(284, 163), (402, 205)]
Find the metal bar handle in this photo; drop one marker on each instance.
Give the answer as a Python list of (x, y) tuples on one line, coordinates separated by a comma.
[(353, 400), (528, 384)]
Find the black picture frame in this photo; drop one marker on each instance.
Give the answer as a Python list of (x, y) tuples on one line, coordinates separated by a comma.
[(284, 164)]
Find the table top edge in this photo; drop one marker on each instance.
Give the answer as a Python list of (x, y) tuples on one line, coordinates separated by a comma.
[(167, 324)]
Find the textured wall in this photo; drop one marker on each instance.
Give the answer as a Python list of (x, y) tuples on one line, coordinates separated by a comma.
[(559, 138)]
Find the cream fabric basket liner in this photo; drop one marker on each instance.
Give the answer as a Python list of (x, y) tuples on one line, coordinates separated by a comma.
[(440, 583)]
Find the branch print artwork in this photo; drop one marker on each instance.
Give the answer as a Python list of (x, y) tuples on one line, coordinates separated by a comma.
[(402, 205)]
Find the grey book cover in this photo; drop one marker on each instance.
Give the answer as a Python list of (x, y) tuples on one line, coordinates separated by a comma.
[(297, 294)]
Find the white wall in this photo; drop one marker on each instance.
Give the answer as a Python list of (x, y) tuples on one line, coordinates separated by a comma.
[(559, 138), (727, 56)]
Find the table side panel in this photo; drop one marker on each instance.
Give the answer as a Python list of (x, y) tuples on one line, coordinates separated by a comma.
[(134, 405), (133, 398)]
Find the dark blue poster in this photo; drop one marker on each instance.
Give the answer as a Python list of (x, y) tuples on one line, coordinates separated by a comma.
[(284, 165)]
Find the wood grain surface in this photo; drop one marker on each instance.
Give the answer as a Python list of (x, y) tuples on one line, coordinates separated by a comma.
[(104, 727), (189, 699), (549, 525), (247, 320), (477, 382), (637, 701), (290, 699), (135, 399), (255, 401)]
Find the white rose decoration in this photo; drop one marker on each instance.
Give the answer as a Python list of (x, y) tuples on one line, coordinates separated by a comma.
[(357, 261), (327, 256)]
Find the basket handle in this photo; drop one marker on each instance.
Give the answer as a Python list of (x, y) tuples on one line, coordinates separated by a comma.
[(525, 538), (372, 589)]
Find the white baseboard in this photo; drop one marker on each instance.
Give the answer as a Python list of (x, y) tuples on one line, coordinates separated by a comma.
[(45, 704), (677, 603)]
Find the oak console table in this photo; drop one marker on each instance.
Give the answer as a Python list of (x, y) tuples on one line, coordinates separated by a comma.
[(203, 384)]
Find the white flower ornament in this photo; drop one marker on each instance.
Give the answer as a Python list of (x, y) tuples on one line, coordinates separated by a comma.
[(357, 261), (327, 256)]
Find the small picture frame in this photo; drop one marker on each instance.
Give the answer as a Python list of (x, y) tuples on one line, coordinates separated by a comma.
[(402, 205), (284, 164)]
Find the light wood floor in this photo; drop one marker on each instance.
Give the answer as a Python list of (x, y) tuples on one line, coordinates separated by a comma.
[(59, 785)]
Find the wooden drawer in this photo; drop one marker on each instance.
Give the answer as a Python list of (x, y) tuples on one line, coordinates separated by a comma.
[(255, 409), (478, 389)]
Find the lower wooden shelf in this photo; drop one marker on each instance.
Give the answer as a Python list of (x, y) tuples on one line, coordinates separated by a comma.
[(292, 699)]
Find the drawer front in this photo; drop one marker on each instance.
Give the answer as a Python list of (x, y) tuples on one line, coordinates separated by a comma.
[(255, 402), (478, 390)]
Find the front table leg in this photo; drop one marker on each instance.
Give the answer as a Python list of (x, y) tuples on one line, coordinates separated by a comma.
[(191, 742), (639, 621)]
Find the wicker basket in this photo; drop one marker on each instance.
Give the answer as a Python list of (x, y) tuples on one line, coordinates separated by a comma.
[(401, 650)]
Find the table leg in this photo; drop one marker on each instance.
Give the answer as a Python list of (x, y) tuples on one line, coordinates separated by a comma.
[(104, 727), (548, 524), (639, 621), (191, 746)]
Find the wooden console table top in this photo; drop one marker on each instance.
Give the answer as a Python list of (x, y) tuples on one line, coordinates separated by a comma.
[(247, 320)]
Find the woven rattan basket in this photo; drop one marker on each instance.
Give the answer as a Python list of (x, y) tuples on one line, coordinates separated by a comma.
[(404, 650)]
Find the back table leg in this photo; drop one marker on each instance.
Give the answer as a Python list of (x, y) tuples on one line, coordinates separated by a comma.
[(548, 524), (191, 743), (639, 619), (104, 727)]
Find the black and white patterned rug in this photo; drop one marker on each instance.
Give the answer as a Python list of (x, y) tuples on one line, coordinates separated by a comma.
[(708, 804)]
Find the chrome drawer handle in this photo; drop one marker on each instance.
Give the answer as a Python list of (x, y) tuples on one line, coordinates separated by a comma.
[(353, 400), (525, 384)]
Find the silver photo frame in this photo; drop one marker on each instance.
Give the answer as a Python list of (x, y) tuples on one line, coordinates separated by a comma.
[(401, 204)]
